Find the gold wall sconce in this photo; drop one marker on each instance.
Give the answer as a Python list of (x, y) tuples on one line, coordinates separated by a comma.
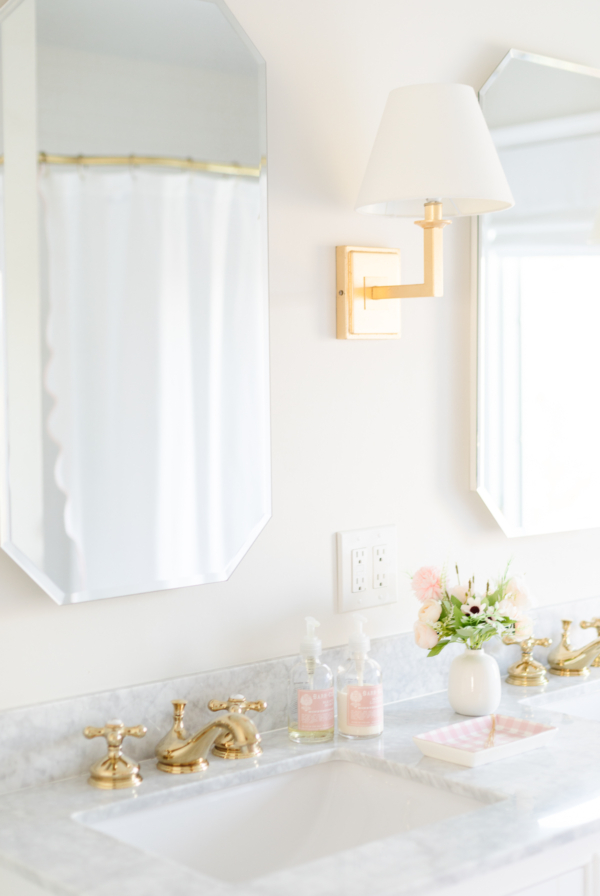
[(434, 154)]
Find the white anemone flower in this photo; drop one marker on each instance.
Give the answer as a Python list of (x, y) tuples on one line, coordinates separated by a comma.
[(474, 606)]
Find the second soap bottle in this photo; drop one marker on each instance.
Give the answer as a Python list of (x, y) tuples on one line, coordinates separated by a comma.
[(360, 693)]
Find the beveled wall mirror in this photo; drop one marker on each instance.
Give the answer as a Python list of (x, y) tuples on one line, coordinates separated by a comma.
[(538, 304), (135, 413)]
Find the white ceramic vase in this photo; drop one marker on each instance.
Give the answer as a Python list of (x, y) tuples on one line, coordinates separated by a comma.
[(474, 683)]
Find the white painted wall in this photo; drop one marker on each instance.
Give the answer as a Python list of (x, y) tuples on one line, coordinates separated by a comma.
[(363, 433)]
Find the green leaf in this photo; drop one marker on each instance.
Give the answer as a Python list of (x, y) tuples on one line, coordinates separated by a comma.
[(438, 647), (455, 601), (458, 616)]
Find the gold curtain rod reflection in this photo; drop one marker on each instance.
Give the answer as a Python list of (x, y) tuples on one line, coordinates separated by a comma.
[(46, 158)]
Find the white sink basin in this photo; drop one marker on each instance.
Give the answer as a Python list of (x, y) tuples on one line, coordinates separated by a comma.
[(246, 831), (581, 700)]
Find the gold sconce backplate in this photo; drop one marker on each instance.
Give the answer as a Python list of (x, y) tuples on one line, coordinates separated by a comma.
[(359, 317)]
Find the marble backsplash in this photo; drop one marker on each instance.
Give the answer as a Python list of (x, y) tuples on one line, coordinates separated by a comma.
[(44, 743)]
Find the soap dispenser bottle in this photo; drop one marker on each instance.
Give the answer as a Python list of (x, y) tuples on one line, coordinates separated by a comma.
[(310, 693), (360, 692)]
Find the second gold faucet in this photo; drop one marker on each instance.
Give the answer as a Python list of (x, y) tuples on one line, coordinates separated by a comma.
[(231, 736), (563, 660)]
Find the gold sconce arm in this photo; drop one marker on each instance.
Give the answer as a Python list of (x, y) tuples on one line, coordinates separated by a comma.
[(366, 274), (433, 278)]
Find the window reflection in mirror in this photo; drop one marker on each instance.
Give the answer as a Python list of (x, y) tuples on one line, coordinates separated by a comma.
[(137, 451), (538, 379)]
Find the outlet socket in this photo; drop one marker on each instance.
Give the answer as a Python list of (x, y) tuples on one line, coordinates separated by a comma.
[(366, 568), (359, 570)]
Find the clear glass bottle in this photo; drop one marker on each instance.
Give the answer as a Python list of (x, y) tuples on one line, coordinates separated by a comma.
[(310, 693), (359, 688)]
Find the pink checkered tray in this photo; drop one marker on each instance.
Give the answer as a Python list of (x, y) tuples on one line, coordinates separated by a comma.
[(471, 743)]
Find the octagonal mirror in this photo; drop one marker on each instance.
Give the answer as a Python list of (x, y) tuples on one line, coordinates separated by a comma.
[(135, 413), (538, 303)]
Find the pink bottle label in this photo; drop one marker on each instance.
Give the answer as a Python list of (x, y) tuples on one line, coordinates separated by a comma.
[(315, 710), (365, 706)]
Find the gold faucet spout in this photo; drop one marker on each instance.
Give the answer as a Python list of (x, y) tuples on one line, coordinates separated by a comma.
[(180, 753), (564, 660)]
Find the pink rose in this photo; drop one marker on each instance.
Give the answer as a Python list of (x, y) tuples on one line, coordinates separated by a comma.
[(425, 636), (518, 591), (460, 592), (430, 611), (427, 583), (523, 629)]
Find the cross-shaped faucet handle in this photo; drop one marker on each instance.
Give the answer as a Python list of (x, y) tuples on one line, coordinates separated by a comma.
[(593, 623), (115, 770), (115, 732), (237, 704)]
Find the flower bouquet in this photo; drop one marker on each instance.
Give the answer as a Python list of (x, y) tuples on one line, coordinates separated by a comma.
[(460, 614)]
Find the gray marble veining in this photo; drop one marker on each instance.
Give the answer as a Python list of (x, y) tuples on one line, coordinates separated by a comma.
[(42, 830), (44, 743)]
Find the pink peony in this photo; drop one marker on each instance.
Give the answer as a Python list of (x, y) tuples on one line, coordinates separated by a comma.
[(427, 583), (518, 591), (425, 636), (430, 611), (460, 592), (523, 629)]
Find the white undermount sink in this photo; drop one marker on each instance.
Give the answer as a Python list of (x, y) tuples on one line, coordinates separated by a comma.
[(581, 700), (286, 819)]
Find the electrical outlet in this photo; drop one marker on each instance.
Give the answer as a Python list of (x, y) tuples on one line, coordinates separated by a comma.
[(380, 566), (379, 556), (366, 568), (359, 583), (359, 570), (359, 560)]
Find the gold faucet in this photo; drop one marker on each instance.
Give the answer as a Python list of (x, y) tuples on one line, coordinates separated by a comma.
[(593, 623), (527, 672), (565, 661), (232, 736), (115, 770)]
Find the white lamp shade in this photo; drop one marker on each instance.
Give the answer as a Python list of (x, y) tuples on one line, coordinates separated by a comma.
[(433, 143)]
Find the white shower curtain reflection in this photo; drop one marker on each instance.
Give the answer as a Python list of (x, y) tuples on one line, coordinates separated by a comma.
[(157, 339)]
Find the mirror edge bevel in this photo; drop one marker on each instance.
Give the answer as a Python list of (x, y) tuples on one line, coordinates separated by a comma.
[(7, 7)]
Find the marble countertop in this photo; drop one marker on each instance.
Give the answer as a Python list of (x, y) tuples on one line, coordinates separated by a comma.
[(41, 839)]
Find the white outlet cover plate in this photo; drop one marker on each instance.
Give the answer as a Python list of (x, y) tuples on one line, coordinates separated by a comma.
[(349, 601)]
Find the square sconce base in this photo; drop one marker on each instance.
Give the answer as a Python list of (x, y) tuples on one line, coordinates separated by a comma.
[(357, 270)]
